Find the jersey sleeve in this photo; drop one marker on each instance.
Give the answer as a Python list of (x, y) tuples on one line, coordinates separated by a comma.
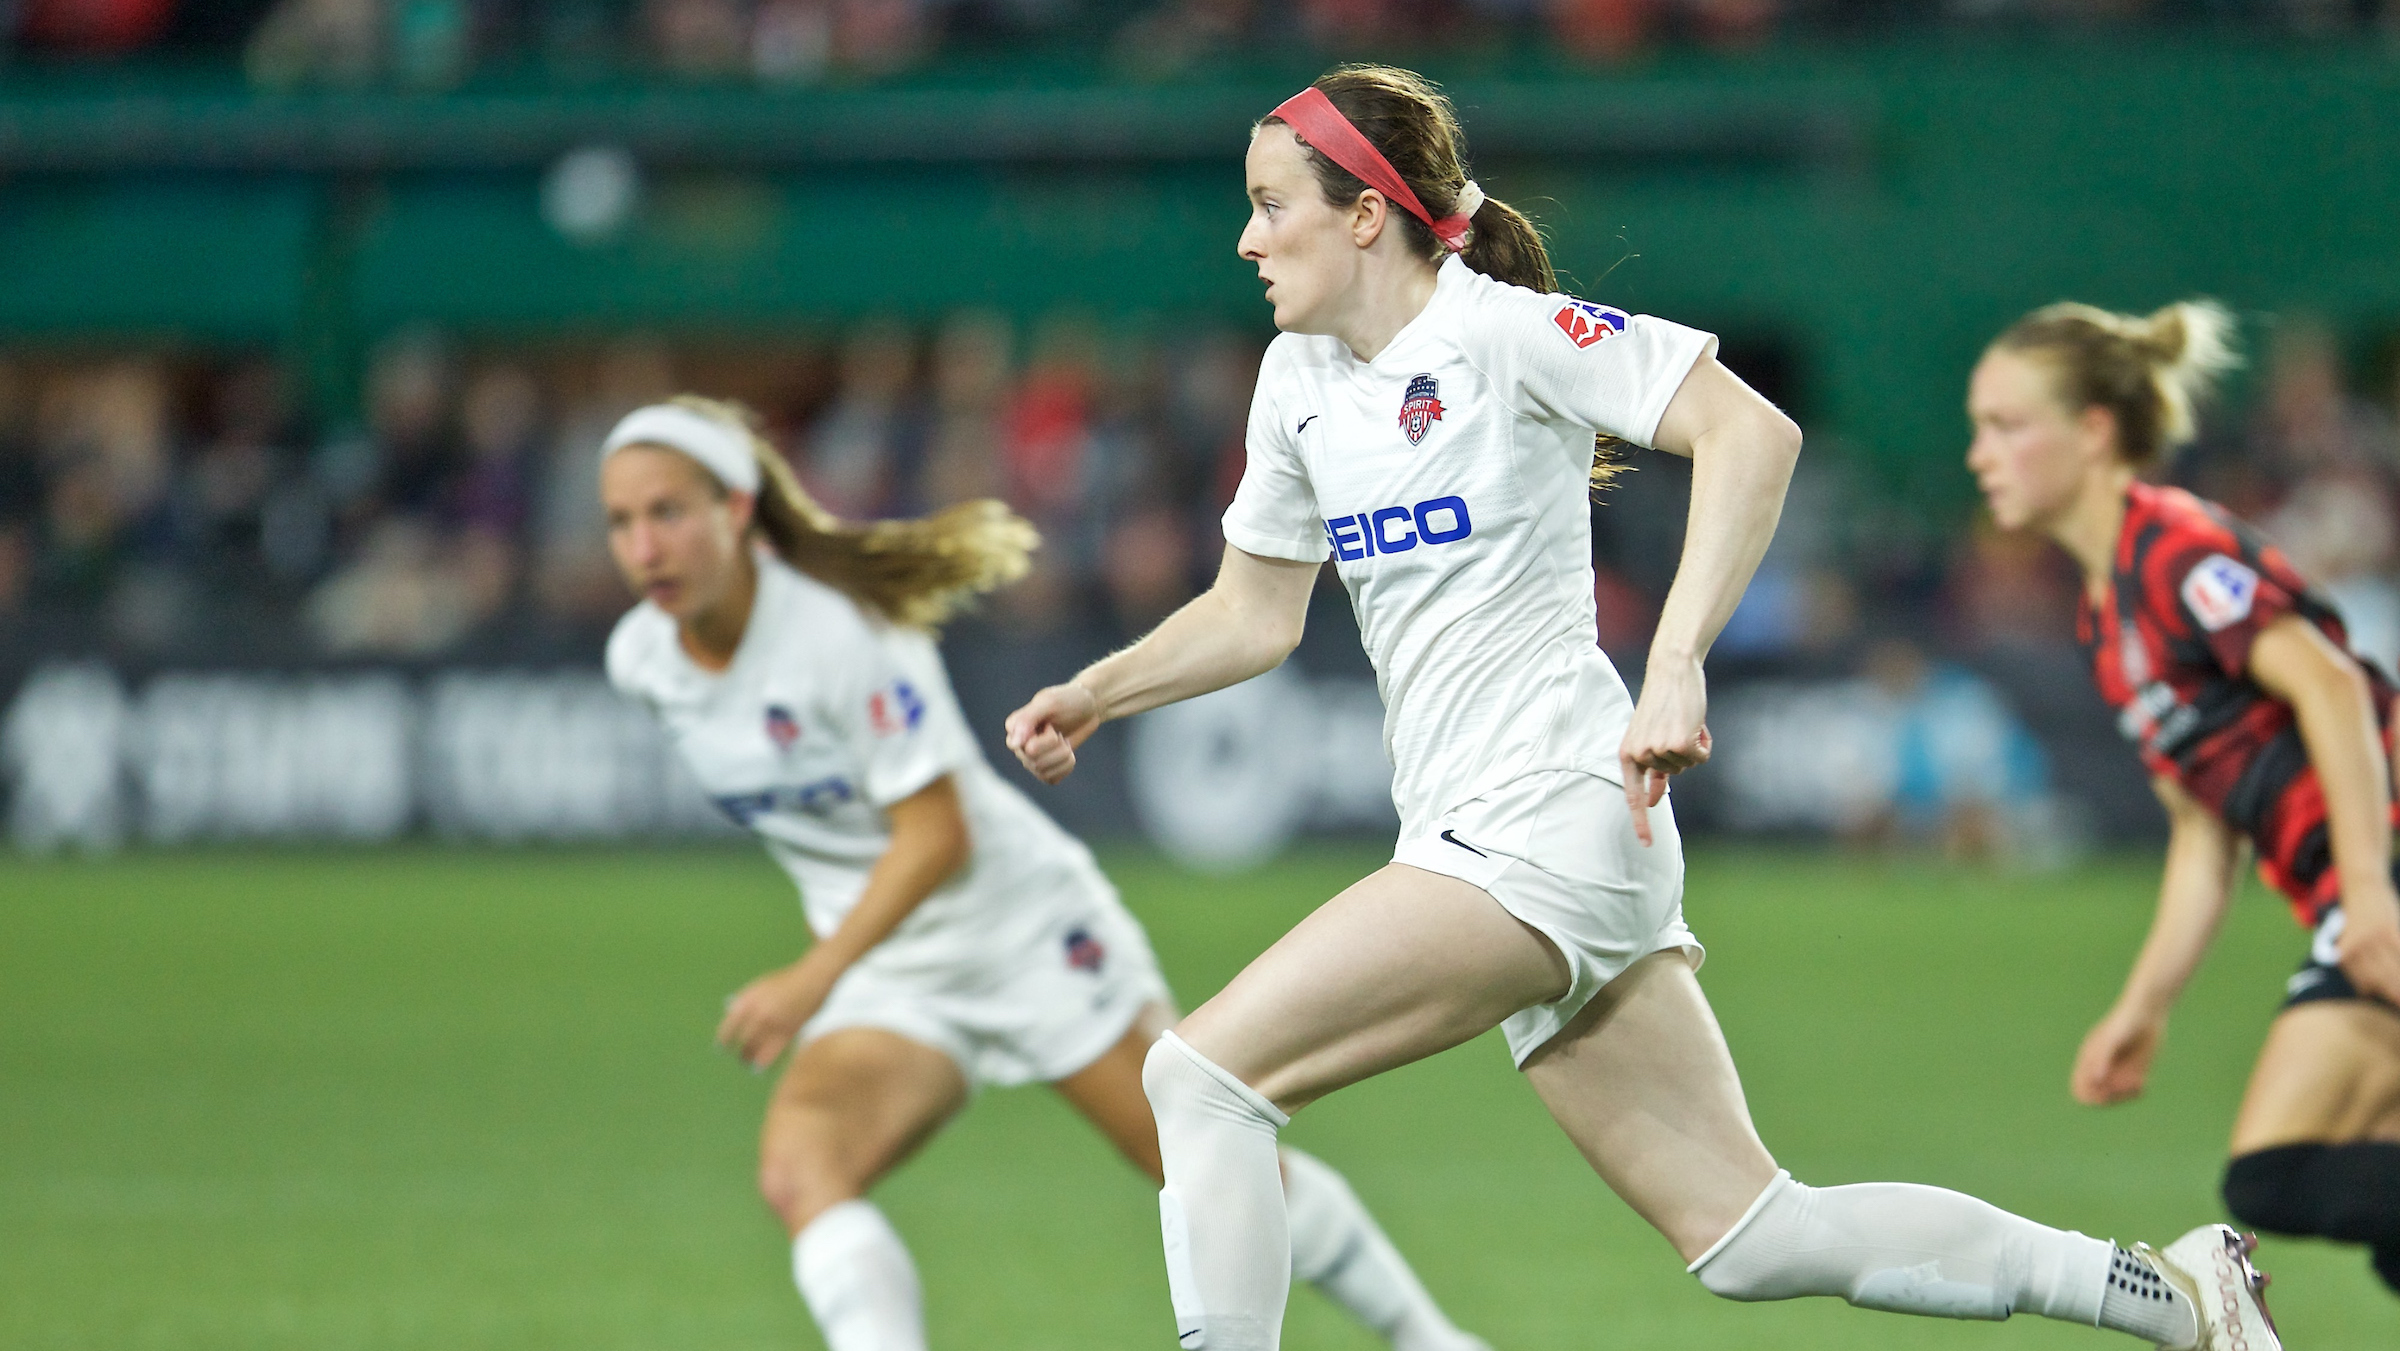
[(1592, 364), (1274, 512), (895, 709), (2226, 601)]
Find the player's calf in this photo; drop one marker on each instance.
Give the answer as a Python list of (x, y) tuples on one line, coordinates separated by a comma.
[(858, 1280), (2348, 1192), (1221, 1212), (1923, 1250)]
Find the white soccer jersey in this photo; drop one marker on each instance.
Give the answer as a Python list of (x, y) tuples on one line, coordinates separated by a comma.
[(1446, 478), (827, 716)]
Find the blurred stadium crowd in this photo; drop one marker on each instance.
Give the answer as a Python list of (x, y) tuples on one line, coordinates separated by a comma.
[(437, 43), (174, 507)]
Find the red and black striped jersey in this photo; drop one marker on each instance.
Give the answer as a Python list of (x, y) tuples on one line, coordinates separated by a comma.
[(2170, 650)]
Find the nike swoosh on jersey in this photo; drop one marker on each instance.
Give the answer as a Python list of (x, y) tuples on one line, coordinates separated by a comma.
[(1304, 423), (1464, 845)]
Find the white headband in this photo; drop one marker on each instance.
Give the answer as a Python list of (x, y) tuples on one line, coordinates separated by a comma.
[(1470, 199), (722, 450)]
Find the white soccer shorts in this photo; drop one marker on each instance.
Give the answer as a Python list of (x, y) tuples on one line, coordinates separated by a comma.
[(1556, 848), (1031, 1012)]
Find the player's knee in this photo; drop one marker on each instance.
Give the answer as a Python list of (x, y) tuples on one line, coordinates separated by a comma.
[(2271, 1189), (1166, 1075), (780, 1186), (781, 1191), (1171, 1082), (1184, 1086), (801, 1184)]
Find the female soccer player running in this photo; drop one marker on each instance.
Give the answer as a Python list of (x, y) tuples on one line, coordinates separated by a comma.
[(963, 939), (2234, 680), (1428, 421)]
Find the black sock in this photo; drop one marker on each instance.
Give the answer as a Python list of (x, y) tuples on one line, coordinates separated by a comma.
[(2386, 1261), (2346, 1192)]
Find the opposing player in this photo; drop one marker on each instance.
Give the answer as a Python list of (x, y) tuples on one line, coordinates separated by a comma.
[(963, 939), (2235, 682), (1427, 420)]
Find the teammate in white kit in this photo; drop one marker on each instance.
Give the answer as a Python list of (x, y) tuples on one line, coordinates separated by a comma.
[(1427, 420), (963, 938)]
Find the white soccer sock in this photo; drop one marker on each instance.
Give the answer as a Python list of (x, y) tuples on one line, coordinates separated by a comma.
[(855, 1275), (1229, 1256), (1907, 1249), (1338, 1248)]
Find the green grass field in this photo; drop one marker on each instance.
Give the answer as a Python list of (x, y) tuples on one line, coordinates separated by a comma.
[(465, 1100)]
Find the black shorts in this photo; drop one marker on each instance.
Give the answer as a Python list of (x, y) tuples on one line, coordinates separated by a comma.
[(2320, 975)]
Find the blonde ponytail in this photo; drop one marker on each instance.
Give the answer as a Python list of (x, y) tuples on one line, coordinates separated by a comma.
[(2190, 344), (916, 572), (2150, 371)]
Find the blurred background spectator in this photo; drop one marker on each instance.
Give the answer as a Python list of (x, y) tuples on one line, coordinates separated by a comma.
[(148, 489), (142, 493)]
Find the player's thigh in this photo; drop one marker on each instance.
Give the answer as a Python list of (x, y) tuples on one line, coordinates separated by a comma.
[(850, 1107), (1641, 1081), (1108, 1092), (2329, 1072), (1404, 963)]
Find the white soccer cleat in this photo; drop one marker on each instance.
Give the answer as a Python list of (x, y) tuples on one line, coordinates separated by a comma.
[(2212, 1266)]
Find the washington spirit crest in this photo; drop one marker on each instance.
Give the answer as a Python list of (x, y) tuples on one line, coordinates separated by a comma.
[(1420, 408), (1084, 952), (782, 728)]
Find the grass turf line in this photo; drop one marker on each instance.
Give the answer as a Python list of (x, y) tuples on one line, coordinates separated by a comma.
[(462, 1099)]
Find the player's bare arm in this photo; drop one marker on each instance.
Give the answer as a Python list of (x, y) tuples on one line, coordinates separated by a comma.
[(930, 841), (1742, 450), (1242, 626), (2194, 891), (2331, 697)]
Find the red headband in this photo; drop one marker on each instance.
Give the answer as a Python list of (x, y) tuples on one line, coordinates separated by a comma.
[(1313, 118)]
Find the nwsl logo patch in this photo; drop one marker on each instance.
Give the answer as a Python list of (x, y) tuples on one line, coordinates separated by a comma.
[(1420, 408), (896, 710), (1585, 323), (782, 728), (2220, 592)]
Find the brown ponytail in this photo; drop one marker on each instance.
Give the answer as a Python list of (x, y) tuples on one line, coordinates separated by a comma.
[(916, 572), (2147, 370), (1413, 124), (1505, 246)]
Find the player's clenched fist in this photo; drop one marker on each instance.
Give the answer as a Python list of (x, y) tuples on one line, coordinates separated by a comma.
[(1668, 735), (2114, 1061), (1046, 731)]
